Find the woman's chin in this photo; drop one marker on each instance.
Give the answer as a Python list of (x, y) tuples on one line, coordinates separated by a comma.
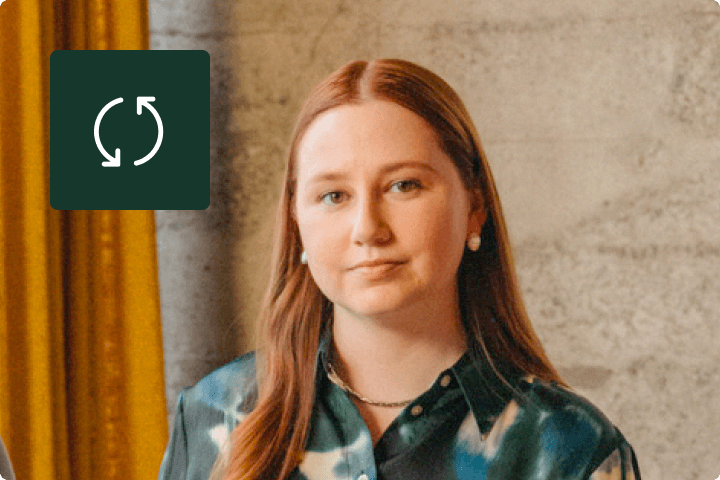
[(379, 304)]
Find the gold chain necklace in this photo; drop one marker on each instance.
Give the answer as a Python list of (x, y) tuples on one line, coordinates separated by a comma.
[(335, 378)]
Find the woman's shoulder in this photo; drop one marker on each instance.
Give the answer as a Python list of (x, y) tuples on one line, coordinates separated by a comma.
[(558, 418), (205, 415), (231, 387), (554, 398), (546, 424), (561, 408)]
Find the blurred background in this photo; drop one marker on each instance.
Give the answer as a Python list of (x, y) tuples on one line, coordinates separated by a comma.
[(601, 123)]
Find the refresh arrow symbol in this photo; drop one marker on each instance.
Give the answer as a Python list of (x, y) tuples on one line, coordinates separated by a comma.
[(115, 161), (112, 162), (146, 102)]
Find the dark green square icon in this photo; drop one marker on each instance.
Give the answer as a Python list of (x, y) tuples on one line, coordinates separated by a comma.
[(129, 129)]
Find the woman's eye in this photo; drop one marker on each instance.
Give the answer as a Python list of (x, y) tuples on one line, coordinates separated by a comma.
[(330, 195), (405, 186), (412, 184)]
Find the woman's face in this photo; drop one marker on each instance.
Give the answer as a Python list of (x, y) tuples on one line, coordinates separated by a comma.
[(373, 183)]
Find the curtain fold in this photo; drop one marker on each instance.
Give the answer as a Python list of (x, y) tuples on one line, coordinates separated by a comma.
[(82, 392)]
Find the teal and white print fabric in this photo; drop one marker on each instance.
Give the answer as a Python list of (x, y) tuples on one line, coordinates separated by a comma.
[(467, 428)]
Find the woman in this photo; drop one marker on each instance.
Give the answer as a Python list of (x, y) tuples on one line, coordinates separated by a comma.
[(396, 345)]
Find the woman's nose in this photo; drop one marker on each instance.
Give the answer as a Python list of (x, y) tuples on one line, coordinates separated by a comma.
[(369, 222)]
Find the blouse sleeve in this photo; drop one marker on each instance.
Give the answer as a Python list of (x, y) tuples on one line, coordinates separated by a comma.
[(174, 463), (621, 464)]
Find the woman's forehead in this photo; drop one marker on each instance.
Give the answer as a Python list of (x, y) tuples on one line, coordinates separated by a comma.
[(377, 136)]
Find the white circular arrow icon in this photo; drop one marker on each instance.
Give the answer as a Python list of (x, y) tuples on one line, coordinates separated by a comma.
[(115, 161)]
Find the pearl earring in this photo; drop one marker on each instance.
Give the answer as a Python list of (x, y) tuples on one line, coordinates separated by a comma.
[(303, 258), (473, 242)]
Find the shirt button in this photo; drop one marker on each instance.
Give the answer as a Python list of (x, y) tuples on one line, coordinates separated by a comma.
[(416, 410), (445, 380), (363, 477)]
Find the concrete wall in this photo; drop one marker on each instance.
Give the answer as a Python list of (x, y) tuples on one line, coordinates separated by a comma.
[(601, 121)]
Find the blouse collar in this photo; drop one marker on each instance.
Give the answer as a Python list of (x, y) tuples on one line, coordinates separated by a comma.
[(484, 391)]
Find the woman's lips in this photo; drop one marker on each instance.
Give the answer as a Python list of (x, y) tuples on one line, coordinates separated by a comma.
[(378, 271)]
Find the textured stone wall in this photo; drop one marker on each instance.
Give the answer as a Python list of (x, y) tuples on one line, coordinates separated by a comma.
[(601, 121)]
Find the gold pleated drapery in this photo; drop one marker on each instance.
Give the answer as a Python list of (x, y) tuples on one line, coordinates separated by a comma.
[(82, 391)]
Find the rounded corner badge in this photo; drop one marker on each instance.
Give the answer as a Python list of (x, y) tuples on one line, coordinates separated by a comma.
[(129, 129)]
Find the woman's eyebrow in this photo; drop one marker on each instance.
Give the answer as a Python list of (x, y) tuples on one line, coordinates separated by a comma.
[(386, 169)]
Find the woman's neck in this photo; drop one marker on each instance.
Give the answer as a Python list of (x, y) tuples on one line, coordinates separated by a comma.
[(394, 361)]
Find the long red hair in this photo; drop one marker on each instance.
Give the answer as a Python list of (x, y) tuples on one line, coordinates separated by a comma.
[(269, 443)]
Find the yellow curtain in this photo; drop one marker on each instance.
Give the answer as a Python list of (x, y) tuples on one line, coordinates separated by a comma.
[(82, 391)]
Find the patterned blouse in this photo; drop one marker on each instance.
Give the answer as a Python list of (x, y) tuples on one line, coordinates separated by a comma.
[(467, 426)]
